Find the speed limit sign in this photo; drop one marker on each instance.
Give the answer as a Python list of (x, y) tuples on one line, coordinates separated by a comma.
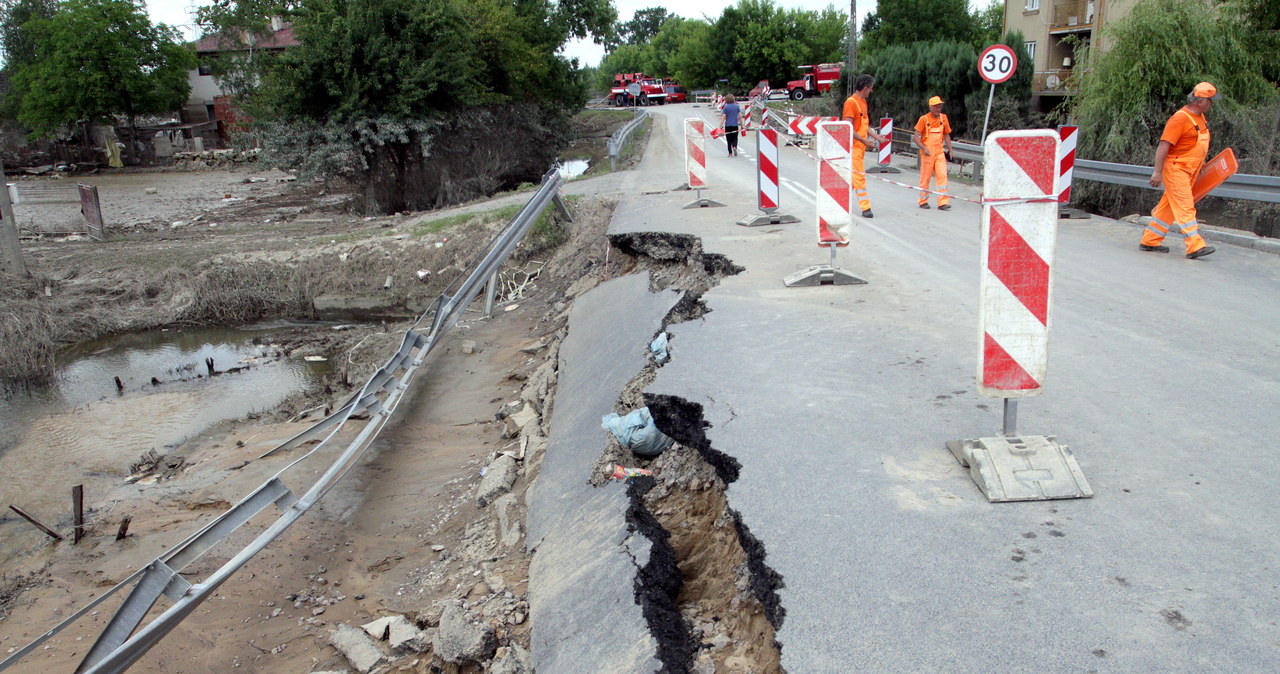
[(997, 63)]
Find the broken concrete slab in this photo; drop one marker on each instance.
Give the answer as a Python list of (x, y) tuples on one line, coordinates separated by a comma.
[(585, 555), (515, 660), (515, 422), (459, 640), (497, 480), (399, 633), (509, 521), (360, 650)]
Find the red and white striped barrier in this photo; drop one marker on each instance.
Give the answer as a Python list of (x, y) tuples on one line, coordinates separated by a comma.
[(1066, 161), (808, 126), (835, 191), (1018, 238), (767, 175), (695, 152), (886, 148), (745, 123)]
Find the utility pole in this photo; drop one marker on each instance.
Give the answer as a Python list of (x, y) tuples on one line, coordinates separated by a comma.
[(851, 63), (10, 252)]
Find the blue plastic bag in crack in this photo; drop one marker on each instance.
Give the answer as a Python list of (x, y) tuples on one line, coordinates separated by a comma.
[(659, 348), (636, 432)]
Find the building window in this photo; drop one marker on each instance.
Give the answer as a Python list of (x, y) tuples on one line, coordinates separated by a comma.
[(1033, 5), (1031, 51), (205, 69)]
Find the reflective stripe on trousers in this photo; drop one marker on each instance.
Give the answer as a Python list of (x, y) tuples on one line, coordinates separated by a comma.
[(860, 176), (1178, 176)]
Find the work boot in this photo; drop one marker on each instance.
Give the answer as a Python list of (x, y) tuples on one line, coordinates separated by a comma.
[(945, 207), (1158, 249), (1201, 253), (924, 206), (868, 214)]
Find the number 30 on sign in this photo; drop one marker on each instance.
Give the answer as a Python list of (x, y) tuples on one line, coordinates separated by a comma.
[(997, 63)]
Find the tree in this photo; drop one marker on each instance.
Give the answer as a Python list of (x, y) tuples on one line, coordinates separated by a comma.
[(375, 84), (692, 61), (16, 42), (643, 26), (907, 75), (987, 23), (96, 59), (906, 21)]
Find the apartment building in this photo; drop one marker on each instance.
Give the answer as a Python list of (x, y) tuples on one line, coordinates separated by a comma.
[(1046, 25)]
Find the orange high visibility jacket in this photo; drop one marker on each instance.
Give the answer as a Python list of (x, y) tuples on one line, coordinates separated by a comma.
[(933, 130)]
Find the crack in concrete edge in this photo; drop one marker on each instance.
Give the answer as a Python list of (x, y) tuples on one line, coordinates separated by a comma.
[(683, 421), (657, 583)]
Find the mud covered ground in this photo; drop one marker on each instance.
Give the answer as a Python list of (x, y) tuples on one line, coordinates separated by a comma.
[(404, 534)]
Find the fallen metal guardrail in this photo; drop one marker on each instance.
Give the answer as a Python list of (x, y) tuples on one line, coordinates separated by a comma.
[(619, 138), (28, 193), (115, 649), (1246, 186)]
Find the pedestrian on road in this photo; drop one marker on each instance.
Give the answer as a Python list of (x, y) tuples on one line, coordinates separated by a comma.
[(933, 137), (731, 112), (855, 110), (1180, 155)]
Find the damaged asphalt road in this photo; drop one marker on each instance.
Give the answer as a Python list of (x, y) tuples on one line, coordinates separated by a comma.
[(825, 412)]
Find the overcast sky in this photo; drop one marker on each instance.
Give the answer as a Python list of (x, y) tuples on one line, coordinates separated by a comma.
[(180, 13)]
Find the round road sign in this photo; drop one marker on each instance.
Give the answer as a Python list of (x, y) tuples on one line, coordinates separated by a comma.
[(997, 63)]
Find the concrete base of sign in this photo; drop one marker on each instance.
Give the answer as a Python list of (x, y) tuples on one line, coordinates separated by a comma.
[(767, 219), (822, 275), (1022, 468), (703, 203), (1068, 213), (883, 169)]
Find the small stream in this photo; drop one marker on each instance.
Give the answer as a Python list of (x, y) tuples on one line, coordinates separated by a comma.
[(80, 428)]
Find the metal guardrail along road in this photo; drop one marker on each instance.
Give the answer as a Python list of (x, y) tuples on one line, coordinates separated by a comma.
[(1246, 186), (619, 138), (118, 646)]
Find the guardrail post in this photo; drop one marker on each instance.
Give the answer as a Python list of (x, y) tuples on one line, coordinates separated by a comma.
[(490, 294), (10, 250)]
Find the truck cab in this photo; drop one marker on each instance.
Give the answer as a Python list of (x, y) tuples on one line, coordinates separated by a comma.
[(817, 80)]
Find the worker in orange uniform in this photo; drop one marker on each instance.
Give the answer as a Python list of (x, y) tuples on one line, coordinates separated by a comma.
[(933, 137), (855, 110), (1180, 155)]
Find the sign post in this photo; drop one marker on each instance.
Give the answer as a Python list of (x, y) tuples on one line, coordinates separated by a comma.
[(835, 198), (996, 65), (767, 194), (695, 160), (1019, 231)]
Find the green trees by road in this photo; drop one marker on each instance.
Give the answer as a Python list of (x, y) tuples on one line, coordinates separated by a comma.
[(87, 61)]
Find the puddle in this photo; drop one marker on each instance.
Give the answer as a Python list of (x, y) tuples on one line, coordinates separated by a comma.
[(573, 168), (79, 429)]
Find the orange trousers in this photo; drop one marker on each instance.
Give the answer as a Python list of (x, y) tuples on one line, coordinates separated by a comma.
[(1178, 176), (860, 176), (934, 166)]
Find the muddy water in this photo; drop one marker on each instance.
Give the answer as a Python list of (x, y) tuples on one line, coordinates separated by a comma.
[(81, 429), (573, 168)]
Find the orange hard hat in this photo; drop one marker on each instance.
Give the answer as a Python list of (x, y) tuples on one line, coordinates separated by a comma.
[(936, 100), (1206, 90)]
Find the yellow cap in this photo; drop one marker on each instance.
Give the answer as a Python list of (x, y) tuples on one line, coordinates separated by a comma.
[(1206, 90), (936, 100)]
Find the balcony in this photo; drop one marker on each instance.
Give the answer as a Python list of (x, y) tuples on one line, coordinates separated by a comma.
[(1075, 16), (1054, 82)]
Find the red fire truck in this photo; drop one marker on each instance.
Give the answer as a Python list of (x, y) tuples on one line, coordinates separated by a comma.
[(637, 89), (816, 81)]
